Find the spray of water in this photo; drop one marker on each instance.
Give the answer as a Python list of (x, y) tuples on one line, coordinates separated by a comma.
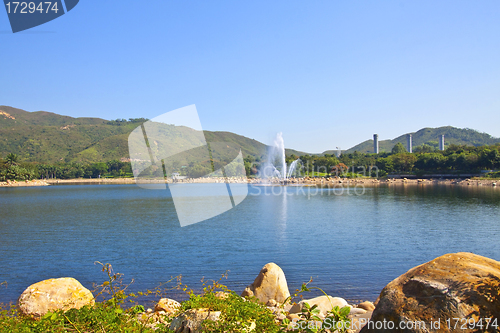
[(292, 167), (275, 165)]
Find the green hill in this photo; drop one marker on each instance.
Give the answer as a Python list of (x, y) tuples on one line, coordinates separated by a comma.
[(430, 136), (47, 137)]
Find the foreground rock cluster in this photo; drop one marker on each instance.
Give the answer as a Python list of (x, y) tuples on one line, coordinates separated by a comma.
[(457, 285)]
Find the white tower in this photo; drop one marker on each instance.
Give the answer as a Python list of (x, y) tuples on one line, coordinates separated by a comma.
[(409, 143)]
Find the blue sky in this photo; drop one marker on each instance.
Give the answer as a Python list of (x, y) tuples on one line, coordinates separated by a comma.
[(325, 73)]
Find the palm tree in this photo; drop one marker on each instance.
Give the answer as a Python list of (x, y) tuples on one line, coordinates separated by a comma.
[(11, 159)]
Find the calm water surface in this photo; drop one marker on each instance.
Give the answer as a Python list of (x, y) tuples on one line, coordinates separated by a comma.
[(351, 244)]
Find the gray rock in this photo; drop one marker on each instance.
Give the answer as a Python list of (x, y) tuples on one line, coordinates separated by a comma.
[(324, 303), (191, 321)]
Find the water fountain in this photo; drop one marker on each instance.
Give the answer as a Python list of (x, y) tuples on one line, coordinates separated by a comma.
[(292, 167), (275, 165)]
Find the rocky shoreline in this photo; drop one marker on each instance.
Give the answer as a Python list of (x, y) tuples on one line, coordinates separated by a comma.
[(14, 183), (269, 289), (307, 181), (430, 298)]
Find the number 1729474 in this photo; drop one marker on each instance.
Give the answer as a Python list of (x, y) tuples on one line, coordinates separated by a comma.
[(472, 323), (42, 7)]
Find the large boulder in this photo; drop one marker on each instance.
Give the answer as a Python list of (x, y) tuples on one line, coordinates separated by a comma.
[(52, 295), (269, 285), (457, 285), (323, 303), (192, 320)]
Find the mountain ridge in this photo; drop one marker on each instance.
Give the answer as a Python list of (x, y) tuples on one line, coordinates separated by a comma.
[(429, 136), (47, 137)]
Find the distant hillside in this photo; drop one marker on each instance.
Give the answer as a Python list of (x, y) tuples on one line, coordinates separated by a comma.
[(47, 137), (430, 136)]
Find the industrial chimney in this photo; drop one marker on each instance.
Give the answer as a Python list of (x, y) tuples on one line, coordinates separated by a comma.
[(375, 143), (409, 143), (441, 142)]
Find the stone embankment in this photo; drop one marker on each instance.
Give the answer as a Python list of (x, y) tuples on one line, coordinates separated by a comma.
[(453, 287), (14, 183), (91, 181), (337, 181), (308, 181)]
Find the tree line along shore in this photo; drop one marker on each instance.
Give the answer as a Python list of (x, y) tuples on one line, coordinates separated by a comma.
[(427, 162)]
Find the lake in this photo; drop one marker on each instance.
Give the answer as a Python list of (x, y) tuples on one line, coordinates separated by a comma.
[(351, 243)]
